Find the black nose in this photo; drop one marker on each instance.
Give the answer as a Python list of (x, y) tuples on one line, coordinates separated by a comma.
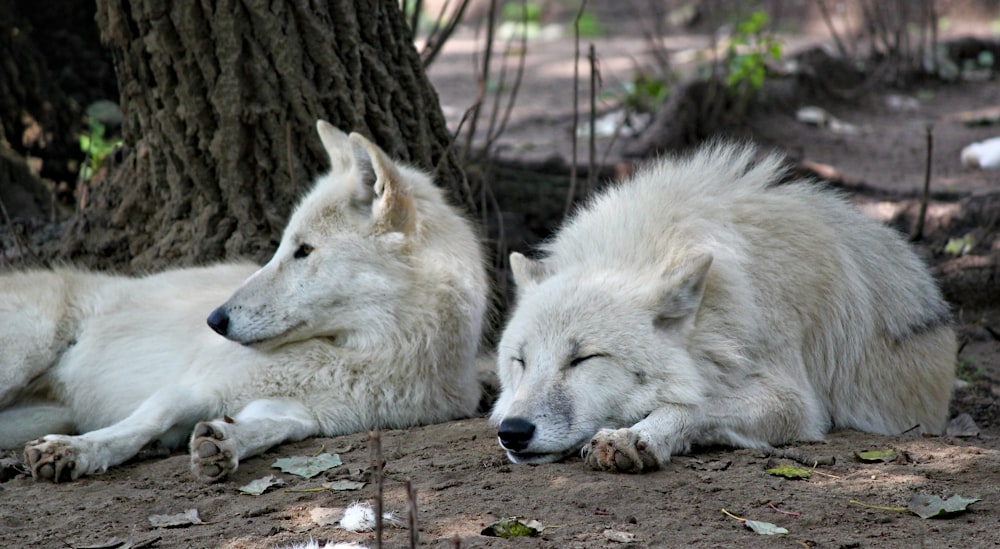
[(515, 433), (219, 321)]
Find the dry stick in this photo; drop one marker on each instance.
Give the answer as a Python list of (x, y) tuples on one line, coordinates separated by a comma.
[(288, 145), (415, 17), (493, 135), (918, 231), (829, 25), (576, 107), (800, 457), (438, 36), (376, 448), (592, 164), (483, 78), (411, 512)]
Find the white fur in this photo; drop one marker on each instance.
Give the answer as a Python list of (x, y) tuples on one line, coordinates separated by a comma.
[(703, 303), (377, 326)]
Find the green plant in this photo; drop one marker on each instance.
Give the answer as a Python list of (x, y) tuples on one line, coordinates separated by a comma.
[(97, 147), (967, 371), (750, 48)]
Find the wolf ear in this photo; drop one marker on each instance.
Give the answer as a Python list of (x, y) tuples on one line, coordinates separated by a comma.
[(527, 272), (337, 146), (392, 207), (682, 290)]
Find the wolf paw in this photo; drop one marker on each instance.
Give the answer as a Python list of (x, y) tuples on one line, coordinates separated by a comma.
[(619, 450), (213, 456), (53, 458)]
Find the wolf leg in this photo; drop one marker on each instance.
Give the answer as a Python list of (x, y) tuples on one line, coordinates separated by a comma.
[(218, 445), (761, 414), (60, 457)]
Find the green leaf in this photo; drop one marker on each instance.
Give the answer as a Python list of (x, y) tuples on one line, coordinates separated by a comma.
[(511, 528), (875, 456), (934, 507), (788, 471), (307, 466), (959, 246), (764, 528), (261, 485)]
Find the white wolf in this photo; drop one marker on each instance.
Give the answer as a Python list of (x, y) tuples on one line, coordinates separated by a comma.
[(368, 315), (705, 303)]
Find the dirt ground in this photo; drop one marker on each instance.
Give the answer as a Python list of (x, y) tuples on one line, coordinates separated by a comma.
[(463, 481)]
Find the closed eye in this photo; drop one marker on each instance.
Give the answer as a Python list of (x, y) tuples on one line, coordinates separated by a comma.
[(581, 359), (303, 251), (518, 360)]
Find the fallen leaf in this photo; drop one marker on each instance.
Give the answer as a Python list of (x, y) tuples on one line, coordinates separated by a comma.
[(874, 456), (307, 466), (788, 471), (934, 507), (261, 485), (511, 528), (619, 536), (764, 528), (187, 518)]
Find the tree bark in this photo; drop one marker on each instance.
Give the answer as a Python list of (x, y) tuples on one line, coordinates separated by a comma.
[(220, 100)]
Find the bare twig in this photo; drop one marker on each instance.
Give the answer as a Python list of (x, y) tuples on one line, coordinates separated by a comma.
[(483, 78), (800, 457), (494, 133), (411, 512), (288, 151), (415, 17), (918, 231), (571, 195), (439, 35), (375, 440), (592, 156), (833, 31)]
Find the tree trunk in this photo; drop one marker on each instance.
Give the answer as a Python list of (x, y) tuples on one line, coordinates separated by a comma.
[(220, 100)]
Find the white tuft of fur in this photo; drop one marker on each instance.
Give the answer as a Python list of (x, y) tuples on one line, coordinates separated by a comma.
[(360, 517)]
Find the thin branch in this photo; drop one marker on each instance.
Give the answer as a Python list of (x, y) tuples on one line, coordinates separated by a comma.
[(437, 39), (571, 195), (483, 79), (918, 231), (592, 158), (833, 31), (375, 440)]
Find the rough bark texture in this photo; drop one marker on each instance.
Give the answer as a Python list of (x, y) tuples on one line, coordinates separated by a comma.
[(220, 101)]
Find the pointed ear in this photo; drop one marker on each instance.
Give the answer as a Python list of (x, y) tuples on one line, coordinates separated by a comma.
[(682, 290), (337, 146), (527, 272), (392, 206)]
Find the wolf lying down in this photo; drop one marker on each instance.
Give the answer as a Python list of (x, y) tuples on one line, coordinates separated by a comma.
[(368, 315), (704, 303)]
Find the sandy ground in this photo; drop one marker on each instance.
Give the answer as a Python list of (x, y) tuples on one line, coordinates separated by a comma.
[(463, 482)]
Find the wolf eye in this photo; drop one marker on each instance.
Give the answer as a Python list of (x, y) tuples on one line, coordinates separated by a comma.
[(303, 251), (581, 359), (518, 360)]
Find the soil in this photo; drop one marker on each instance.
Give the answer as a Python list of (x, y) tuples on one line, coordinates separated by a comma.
[(463, 482)]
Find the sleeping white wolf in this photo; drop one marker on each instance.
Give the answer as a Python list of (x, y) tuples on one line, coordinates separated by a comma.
[(704, 303), (368, 315)]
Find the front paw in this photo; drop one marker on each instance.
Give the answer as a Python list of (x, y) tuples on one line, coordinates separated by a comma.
[(619, 450), (213, 455), (54, 458)]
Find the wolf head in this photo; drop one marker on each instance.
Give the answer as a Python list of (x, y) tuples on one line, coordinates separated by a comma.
[(592, 348), (342, 261)]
